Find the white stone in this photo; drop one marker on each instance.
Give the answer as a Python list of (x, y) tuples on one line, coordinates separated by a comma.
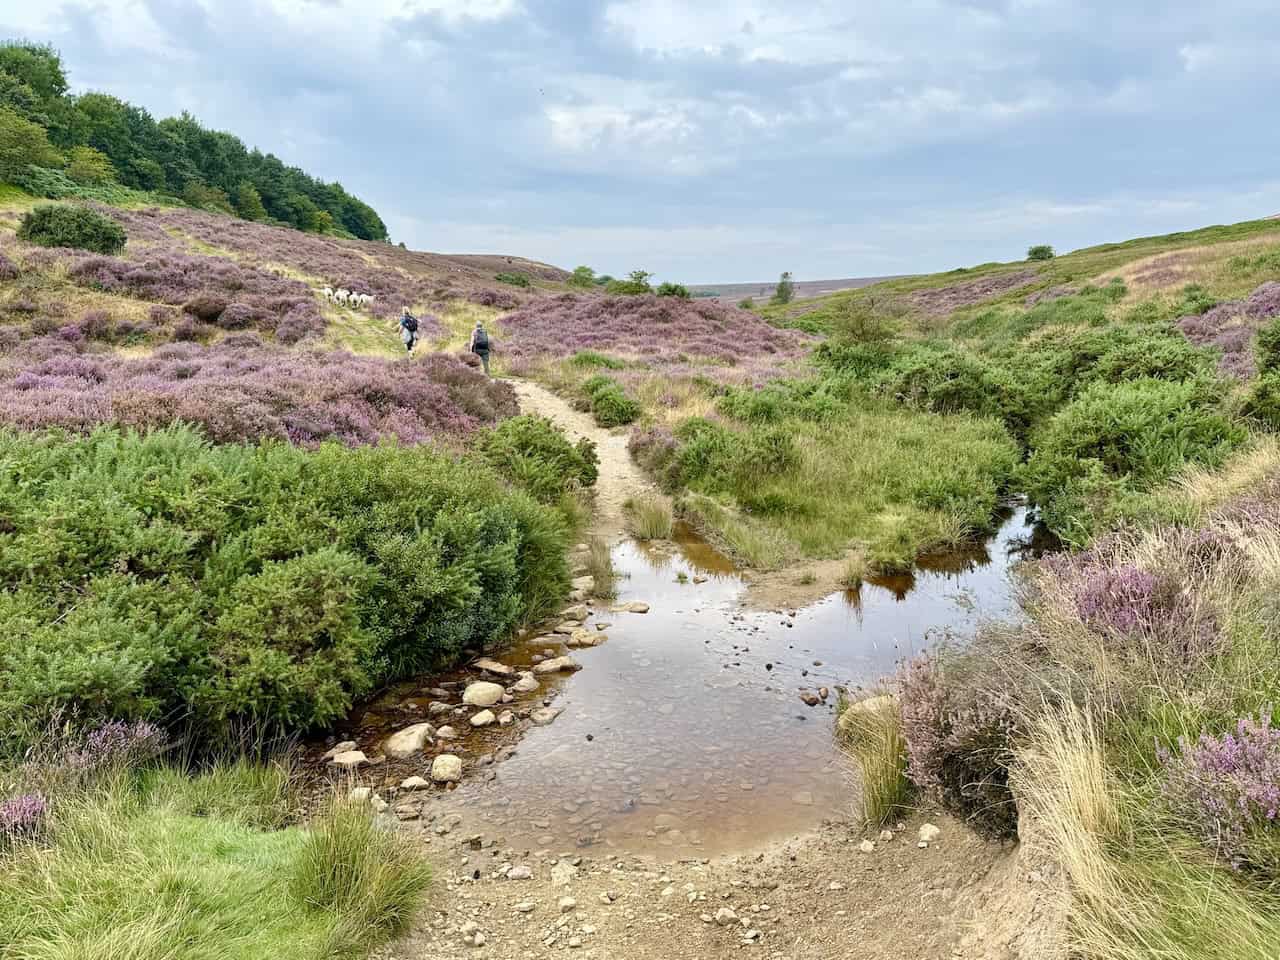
[(524, 907), (521, 872), (724, 917), (867, 846), (557, 665), (348, 759), (379, 805), (562, 874), (506, 718), (405, 743), (360, 794), (634, 606), (579, 612), (414, 783), (482, 693), (544, 715), (446, 733), (446, 768), (929, 833), (338, 748), (526, 683), (567, 904), (494, 667), (483, 718), (835, 885)]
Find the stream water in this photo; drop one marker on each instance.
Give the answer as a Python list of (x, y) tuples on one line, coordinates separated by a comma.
[(684, 733)]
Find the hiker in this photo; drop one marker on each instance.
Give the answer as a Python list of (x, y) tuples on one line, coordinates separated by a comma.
[(408, 330), (480, 345)]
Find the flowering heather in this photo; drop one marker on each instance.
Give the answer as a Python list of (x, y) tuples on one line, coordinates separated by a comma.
[(8, 269), (647, 328), (242, 390), (1228, 789), (22, 816), (118, 744), (1231, 328), (940, 301)]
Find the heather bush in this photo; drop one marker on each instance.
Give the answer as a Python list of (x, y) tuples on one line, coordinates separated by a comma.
[(959, 718), (239, 390), (8, 269), (532, 453), (1226, 790), (21, 818), (368, 563), (65, 225)]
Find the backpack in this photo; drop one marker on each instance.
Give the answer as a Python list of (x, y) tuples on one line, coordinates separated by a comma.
[(481, 342), (410, 323)]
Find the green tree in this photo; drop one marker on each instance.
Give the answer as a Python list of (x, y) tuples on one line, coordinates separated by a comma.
[(582, 277), (785, 291), (674, 290), (88, 166), (23, 144), (205, 197), (639, 277), (21, 99), (37, 65), (249, 202), (1041, 251)]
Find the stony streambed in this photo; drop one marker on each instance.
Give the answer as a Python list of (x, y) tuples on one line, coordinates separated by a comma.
[(695, 727)]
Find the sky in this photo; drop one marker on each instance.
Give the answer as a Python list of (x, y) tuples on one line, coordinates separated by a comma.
[(719, 142)]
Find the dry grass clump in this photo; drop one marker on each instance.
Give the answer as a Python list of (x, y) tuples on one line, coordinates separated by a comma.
[(651, 517), (871, 732), (600, 567)]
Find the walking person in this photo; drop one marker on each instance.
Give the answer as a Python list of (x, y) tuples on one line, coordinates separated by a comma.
[(480, 344), (408, 330)]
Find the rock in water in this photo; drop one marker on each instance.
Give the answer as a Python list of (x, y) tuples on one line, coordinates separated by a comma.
[(482, 693), (579, 613), (407, 742), (634, 606), (558, 664), (494, 667), (414, 783), (545, 715), (526, 683), (483, 718), (446, 768), (446, 733), (809, 699), (506, 718)]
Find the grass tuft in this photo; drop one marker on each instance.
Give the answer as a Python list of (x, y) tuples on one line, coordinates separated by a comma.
[(651, 517), (871, 732), (600, 567)]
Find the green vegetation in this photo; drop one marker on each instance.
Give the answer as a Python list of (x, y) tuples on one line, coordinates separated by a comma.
[(68, 225), (651, 518), (582, 277), (163, 862), (637, 283), (608, 403), (674, 290), (534, 455), (369, 564), (100, 140), (514, 279), (600, 568), (785, 291), (1040, 251), (590, 358), (871, 731)]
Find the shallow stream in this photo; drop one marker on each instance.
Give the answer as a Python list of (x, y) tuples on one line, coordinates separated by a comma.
[(685, 733)]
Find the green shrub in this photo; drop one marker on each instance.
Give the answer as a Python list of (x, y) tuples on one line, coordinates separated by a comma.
[(785, 291), (65, 225), (515, 279), (1116, 438), (637, 283), (1266, 347), (1196, 299), (90, 167), (590, 358), (1262, 403), (1041, 251), (532, 453), (366, 564), (674, 290), (23, 144), (583, 277), (609, 404)]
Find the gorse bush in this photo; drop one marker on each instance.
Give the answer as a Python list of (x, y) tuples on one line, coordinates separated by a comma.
[(514, 279), (673, 290), (66, 225), (268, 585), (532, 453)]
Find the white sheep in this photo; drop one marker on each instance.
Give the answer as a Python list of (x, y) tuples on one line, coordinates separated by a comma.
[(365, 300), (327, 293), (342, 296)]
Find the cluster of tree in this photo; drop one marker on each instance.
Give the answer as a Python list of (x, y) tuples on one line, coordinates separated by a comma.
[(96, 139), (637, 282)]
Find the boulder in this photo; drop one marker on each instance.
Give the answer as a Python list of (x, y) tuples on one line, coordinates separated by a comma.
[(348, 759), (437, 708), (405, 743), (557, 665), (583, 637), (579, 612), (526, 683), (483, 718), (583, 583), (414, 783), (634, 606), (482, 694), (567, 627), (446, 768), (494, 667), (506, 718), (343, 747)]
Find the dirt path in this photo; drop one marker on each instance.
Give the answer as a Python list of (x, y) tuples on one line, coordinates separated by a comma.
[(620, 479)]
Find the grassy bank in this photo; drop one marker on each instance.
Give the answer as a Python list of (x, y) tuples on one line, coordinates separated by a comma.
[(141, 859)]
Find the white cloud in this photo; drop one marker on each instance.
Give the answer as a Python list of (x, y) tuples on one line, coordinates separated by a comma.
[(1196, 56)]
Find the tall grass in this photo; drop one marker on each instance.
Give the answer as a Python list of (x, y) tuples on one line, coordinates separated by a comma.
[(166, 865), (600, 567), (871, 732), (651, 517)]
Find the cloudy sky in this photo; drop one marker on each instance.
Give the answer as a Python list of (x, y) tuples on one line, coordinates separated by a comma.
[(718, 141)]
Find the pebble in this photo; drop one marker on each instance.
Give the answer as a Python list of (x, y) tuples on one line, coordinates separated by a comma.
[(524, 907), (360, 794), (724, 916), (867, 846), (521, 872), (929, 833), (567, 904), (483, 718), (344, 747), (886, 836), (348, 759), (575, 943), (835, 885), (446, 768)]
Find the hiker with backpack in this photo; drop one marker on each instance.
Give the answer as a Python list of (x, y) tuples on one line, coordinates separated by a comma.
[(480, 345), (408, 330)]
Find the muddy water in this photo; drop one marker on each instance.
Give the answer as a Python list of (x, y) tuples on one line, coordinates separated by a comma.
[(685, 734)]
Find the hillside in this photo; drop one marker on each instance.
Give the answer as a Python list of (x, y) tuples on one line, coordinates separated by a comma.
[(804, 289), (56, 144)]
